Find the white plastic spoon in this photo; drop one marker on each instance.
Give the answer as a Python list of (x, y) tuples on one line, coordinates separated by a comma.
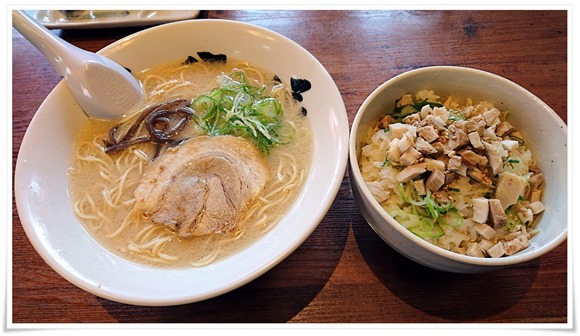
[(103, 88)]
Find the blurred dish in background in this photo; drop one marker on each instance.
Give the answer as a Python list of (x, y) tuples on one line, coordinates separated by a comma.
[(83, 19)]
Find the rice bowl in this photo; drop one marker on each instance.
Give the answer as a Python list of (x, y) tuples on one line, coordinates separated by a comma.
[(548, 144)]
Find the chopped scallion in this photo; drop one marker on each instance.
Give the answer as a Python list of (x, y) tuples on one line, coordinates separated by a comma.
[(238, 108)]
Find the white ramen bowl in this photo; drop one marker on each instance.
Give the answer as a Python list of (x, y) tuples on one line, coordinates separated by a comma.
[(45, 155), (545, 135)]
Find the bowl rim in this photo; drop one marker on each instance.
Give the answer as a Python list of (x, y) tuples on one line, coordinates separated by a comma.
[(357, 175), (339, 116)]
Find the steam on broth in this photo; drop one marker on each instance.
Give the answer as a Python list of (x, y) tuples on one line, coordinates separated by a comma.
[(103, 185)]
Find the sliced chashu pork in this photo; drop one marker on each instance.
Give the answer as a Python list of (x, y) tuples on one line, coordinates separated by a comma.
[(203, 185)]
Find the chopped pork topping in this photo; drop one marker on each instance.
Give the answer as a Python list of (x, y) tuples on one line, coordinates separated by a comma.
[(411, 172), (519, 241), (474, 250), (496, 251), (536, 207), (497, 215), (536, 180), (463, 168), (471, 159), (436, 180), (398, 130), (480, 176), (475, 124), (456, 138), (484, 230), (491, 116), (454, 163), (494, 157), (428, 133), (424, 146), (504, 128), (509, 188), (480, 210), (516, 245), (420, 187), (475, 140), (410, 156), (432, 164)]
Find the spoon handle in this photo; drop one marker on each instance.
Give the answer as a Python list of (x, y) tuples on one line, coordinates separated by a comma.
[(103, 88), (55, 49)]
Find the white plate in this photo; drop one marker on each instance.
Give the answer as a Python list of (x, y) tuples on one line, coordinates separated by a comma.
[(41, 170), (81, 19)]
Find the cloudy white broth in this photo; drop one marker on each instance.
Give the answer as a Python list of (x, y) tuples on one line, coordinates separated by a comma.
[(212, 161)]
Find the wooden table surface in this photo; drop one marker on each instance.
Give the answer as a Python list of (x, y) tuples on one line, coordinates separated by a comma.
[(343, 272)]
